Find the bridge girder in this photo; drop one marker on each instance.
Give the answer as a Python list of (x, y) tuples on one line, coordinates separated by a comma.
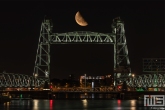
[(82, 37), (20, 80)]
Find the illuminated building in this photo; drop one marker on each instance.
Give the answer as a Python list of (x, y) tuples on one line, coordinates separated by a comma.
[(96, 81)]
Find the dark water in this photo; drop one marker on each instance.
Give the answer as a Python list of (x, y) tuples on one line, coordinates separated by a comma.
[(84, 104)]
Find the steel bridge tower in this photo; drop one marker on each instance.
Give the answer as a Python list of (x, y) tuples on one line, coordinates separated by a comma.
[(42, 62), (117, 38), (122, 68)]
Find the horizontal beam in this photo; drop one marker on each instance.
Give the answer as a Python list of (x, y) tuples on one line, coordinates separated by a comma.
[(82, 37), (80, 42)]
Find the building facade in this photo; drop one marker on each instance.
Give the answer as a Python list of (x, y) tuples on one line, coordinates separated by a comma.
[(96, 81)]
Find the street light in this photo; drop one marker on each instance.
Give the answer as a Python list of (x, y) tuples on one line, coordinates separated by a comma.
[(133, 81)]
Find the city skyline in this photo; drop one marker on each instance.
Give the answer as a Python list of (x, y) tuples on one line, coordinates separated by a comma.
[(20, 29)]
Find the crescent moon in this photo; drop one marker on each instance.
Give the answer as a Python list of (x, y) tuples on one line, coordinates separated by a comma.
[(80, 20)]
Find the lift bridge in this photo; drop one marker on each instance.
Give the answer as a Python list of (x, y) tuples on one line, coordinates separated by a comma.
[(122, 70)]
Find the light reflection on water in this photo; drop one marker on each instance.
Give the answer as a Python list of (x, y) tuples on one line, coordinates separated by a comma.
[(84, 104), (51, 104), (35, 105), (86, 95), (133, 104)]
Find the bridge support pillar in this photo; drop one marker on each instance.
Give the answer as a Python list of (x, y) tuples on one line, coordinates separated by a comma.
[(122, 68)]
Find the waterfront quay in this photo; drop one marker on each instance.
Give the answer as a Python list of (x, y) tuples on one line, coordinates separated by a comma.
[(127, 95)]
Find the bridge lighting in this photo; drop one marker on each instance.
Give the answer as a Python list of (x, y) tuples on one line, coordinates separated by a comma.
[(133, 81), (133, 75), (35, 74), (46, 74), (46, 89)]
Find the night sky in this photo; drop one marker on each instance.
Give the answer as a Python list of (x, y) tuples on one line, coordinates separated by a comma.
[(20, 28)]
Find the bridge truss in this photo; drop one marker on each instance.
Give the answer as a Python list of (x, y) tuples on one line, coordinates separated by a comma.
[(20, 80), (156, 66), (147, 80), (117, 38)]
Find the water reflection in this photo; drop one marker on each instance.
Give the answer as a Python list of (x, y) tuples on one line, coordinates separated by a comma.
[(93, 96), (118, 103), (35, 103), (133, 104), (85, 104), (51, 104), (7, 105), (42, 104)]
